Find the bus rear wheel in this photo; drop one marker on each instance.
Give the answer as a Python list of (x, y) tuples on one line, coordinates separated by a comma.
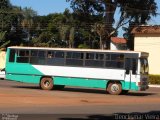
[(46, 83), (114, 88)]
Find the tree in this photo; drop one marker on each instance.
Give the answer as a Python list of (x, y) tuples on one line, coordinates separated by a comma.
[(3, 41), (100, 30), (45, 39), (5, 15), (28, 22), (10, 19), (140, 16), (63, 25), (70, 23), (71, 37), (130, 10)]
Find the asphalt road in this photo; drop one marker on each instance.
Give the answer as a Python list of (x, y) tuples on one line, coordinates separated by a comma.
[(28, 101)]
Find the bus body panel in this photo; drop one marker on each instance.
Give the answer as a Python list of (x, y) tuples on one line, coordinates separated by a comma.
[(129, 85), (24, 78), (81, 72), (81, 82)]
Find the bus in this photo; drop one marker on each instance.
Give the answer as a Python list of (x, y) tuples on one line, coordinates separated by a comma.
[(54, 68)]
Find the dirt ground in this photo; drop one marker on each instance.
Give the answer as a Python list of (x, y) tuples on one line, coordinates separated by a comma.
[(14, 94)]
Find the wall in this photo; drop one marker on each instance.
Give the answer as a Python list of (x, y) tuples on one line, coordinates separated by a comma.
[(149, 43), (117, 46), (113, 46), (2, 59)]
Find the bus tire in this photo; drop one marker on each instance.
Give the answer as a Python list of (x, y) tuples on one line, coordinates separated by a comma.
[(114, 88), (46, 83)]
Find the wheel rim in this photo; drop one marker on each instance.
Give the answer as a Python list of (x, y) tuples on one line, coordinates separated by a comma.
[(46, 83), (114, 88)]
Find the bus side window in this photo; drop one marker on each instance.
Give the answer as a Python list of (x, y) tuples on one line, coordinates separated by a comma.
[(34, 53), (34, 57), (12, 55), (94, 60), (127, 65), (59, 58), (99, 56), (89, 55), (134, 66), (131, 64), (23, 56), (41, 56), (69, 54), (108, 60), (50, 57), (120, 61), (59, 54), (74, 58), (115, 61), (50, 54)]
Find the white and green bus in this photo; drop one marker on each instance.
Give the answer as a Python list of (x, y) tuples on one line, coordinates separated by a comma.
[(114, 71)]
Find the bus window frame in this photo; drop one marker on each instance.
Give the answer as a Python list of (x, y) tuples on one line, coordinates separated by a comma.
[(88, 60), (115, 61), (71, 59)]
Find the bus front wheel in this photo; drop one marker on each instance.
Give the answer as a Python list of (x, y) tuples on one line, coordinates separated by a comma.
[(46, 83), (114, 88)]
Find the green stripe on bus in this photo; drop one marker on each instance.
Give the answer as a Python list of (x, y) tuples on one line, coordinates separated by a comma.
[(27, 73), (82, 82), (24, 78), (23, 68), (93, 83), (129, 85)]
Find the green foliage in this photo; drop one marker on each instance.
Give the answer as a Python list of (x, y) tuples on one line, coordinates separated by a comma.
[(83, 46), (5, 14), (99, 28), (84, 10), (3, 41), (44, 40), (154, 79)]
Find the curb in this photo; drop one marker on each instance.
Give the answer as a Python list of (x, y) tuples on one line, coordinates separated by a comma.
[(156, 86)]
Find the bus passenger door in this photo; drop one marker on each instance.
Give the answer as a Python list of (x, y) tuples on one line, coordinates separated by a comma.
[(131, 73)]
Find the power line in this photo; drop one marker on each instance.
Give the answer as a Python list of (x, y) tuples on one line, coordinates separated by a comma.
[(18, 12)]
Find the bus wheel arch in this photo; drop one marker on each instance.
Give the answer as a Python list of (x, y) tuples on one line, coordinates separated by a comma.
[(114, 87), (46, 83)]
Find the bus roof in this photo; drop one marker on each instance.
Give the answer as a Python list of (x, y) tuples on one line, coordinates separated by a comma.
[(76, 49)]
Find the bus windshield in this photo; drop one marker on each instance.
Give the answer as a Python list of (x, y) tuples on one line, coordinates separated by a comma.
[(144, 66)]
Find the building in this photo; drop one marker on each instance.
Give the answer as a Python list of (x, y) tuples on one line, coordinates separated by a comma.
[(118, 43), (147, 38), (2, 59)]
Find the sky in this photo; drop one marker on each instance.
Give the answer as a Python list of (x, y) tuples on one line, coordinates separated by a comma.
[(43, 7), (156, 20)]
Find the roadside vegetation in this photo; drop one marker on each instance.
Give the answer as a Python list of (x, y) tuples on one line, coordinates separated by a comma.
[(91, 23), (154, 79)]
